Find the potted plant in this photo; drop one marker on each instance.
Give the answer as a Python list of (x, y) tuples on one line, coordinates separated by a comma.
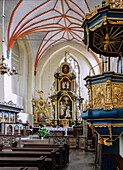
[(72, 123), (43, 133)]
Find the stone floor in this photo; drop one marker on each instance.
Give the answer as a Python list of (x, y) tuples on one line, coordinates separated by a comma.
[(81, 160)]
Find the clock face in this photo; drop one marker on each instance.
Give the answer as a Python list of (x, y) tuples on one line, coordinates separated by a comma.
[(65, 69)]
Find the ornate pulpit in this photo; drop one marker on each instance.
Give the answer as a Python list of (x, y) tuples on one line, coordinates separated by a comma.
[(103, 33)]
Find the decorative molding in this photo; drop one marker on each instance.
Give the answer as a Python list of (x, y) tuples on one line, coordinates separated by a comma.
[(106, 95), (115, 23)]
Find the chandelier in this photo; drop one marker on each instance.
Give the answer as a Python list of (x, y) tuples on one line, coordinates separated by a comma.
[(4, 69)]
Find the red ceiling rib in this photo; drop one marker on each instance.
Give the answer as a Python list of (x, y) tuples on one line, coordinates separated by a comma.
[(87, 6), (42, 52), (67, 4), (39, 27), (11, 19), (77, 6), (31, 20), (40, 48), (71, 25), (62, 6), (55, 4)]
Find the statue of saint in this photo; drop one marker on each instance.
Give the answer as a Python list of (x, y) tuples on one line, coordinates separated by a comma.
[(68, 112)]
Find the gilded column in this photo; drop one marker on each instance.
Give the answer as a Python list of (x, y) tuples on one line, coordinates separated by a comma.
[(108, 104), (90, 96), (56, 111)]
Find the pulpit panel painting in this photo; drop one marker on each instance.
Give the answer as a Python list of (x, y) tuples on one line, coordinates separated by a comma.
[(65, 107)]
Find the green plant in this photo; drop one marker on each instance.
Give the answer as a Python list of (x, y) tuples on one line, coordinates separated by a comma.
[(43, 132), (72, 123)]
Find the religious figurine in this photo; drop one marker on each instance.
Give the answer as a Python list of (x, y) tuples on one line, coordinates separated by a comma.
[(68, 112)]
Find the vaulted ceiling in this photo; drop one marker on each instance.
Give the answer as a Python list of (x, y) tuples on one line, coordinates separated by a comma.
[(46, 22)]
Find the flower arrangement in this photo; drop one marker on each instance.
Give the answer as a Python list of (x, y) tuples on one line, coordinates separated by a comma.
[(43, 132)]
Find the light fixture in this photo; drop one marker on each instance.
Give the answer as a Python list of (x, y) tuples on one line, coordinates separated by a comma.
[(4, 69)]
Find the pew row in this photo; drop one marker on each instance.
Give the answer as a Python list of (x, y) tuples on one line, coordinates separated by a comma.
[(60, 156), (20, 161), (65, 146), (7, 156)]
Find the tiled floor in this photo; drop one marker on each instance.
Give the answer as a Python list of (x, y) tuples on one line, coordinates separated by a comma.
[(81, 160)]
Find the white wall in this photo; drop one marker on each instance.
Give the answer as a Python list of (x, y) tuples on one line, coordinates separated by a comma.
[(26, 117), (51, 60)]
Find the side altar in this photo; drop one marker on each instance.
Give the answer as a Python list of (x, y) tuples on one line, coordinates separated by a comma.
[(41, 111), (9, 125)]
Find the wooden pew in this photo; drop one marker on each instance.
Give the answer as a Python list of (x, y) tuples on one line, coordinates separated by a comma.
[(65, 150), (59, 157), (20, 161), (119, 163), (19, 168), (49, 161)]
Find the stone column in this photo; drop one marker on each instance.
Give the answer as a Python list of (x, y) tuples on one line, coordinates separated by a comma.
[(56, 111), (19, 129), (108, 104), (105, 64), (13, 129), (6, 129), (9, 116), (14, 117), (2, 88), (85, 130)]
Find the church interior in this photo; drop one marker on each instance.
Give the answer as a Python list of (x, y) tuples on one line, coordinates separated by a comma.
[(61, 84)]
